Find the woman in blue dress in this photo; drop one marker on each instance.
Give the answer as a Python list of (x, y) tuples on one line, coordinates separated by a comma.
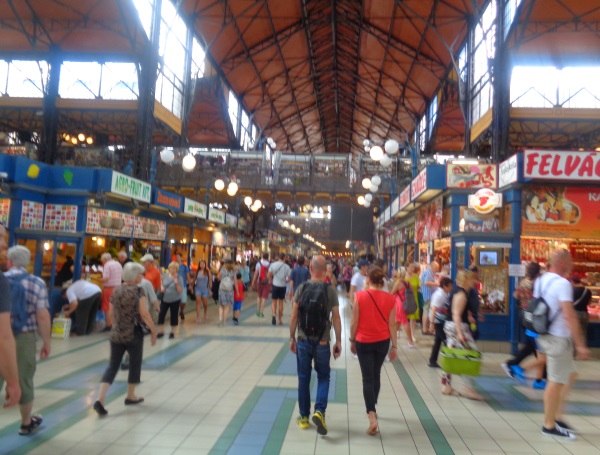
[(202, 289)]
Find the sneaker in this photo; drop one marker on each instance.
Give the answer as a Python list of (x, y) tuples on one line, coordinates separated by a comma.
[(273, 321), (540, 384), (318, 419), (558, 433), (519, 372), (236, 322), (171, 336), (262, 315), (303, 422), (563, 426), (257, 314), (411, 346), (508, 370), (434, 365)]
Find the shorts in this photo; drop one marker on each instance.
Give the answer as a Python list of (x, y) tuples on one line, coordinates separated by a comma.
[(106, 295), (263, 290), (426, 307), (278, 293), (559, 353), (237, 305), (204, 293)]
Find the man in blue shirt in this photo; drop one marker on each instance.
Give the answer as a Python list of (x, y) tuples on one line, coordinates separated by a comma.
[(299, 275), (184, 273)]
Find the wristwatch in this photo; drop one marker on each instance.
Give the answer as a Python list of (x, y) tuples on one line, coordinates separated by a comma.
[(292, 339)]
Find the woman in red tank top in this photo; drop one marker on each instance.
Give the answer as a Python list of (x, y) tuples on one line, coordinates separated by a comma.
[(373, 326)]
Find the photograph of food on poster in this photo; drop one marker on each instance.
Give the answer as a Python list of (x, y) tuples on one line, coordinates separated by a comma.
[(147, 228), (429, 221), (552, 210), (477, 222), (108, 222), (472, 176)]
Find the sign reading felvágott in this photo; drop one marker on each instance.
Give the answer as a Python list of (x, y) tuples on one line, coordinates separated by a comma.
[(124, 185), (194, 208), (216, 215), (508, 172), (555, 165), (419, 184)]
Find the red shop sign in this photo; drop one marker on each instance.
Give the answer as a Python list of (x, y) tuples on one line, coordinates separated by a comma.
[(554, 165), (419, 184), (404, 197)]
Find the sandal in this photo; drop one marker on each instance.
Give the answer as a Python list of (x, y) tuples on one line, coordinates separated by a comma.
[(36, 421)]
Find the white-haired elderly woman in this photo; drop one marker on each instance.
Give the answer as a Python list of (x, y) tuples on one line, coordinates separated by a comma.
[(129, 311), (172, 287)]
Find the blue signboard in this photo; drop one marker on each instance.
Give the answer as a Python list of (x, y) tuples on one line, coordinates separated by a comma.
[(166, 199)]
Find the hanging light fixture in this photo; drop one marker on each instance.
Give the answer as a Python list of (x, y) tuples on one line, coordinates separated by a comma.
[(366, 142), (367, 204), (89, 140), (391, 146), (376, 153), (248, 200), (219, 184), (232, 188), (188, 163), (360, 200), (366, 183), (386, 161), (373, 188), (167, 156), (81, 137), (376, 180), (368, 197)]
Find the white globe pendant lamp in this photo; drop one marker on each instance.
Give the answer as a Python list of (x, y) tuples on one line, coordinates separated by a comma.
[(391, 146), (368, 197), (167, 156), (386, 161), (360, 200), (366, 183), (219, 184), (367, 204), (188, 163), (376, 153), (248, 200), (366, 142), (373, 188), (233, 188), (376, 180)]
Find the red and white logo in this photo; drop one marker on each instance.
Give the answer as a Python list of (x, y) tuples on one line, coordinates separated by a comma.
[(485, 201)]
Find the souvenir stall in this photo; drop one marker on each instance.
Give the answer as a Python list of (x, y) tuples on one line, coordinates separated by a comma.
[(560, 209)]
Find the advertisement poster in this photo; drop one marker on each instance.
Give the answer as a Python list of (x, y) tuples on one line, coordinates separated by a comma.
[(477, 222), (61, 218), (560, 211), (428, 225), (471, 176), (149, 229), (32, 215), (108, 222), (4, 211)]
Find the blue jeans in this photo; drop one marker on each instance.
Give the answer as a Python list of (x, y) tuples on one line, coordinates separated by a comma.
[(307, 352)]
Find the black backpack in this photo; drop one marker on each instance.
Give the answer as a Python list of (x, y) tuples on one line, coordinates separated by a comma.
[(313, 309), (536, 317)]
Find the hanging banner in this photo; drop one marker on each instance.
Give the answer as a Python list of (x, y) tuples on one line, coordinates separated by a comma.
[(32, 215), (428, 224), (508, 172), (4, 211), (194, 208), (230, 220), (108, 222), (554, 165), (404, 197), (60, 218), (561, 212), (471, 175), (129, 187), (149, 229), (216, 215)]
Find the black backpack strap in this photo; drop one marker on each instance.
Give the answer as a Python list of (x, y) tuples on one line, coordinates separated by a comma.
[(376, 306)]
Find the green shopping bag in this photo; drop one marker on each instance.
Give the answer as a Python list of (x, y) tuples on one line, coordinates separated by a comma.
[(460, 361)]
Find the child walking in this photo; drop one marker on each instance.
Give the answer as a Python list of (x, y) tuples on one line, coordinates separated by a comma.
[(238, 298)]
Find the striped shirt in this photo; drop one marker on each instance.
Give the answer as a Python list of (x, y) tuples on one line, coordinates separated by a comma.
[(427, 291), (36, 295), (111, 275)]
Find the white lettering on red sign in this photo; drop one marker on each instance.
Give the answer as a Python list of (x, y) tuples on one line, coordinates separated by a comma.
[(405, 197), (419, 184), (555, 165)]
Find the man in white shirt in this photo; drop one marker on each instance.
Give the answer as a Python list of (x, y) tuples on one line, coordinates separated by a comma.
[(84, 300), (563, 332), (439, 299), (279, 274), (358, 279)]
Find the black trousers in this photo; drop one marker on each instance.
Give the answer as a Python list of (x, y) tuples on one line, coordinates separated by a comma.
[(528, 348), (85, 314), (371, 357), (135, 349), (440, 337), (174, 308)]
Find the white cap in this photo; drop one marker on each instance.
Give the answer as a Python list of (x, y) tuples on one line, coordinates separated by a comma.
[(147, 257)]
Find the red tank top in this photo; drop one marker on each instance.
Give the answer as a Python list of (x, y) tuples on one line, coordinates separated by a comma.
[(372, 327)]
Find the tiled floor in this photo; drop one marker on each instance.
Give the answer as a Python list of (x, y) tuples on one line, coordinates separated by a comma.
[(232, 390)]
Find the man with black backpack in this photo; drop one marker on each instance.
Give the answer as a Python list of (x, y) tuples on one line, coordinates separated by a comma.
[(314, 301), (557, 340)]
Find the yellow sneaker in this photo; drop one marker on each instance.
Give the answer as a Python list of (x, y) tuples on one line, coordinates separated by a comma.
[(318, 419), (303, 423)]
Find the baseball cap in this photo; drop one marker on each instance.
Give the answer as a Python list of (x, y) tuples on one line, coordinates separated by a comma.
[(362, 263), (147, 257)]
